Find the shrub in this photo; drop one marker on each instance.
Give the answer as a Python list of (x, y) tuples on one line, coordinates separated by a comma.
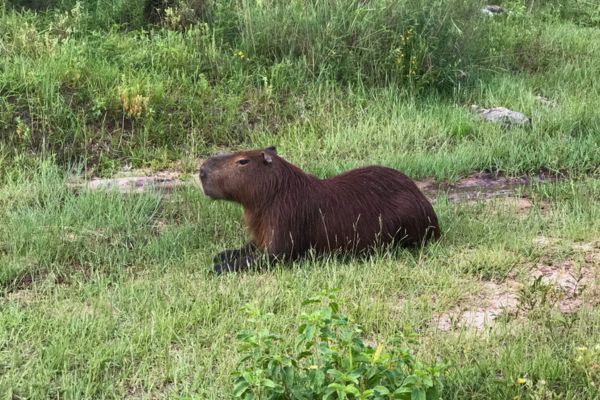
[(329, 360)]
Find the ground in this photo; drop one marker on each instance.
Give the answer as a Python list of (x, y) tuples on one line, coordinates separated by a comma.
[(109, 293), (122, 301)]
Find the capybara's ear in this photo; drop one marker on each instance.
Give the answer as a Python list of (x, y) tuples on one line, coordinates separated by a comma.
[(271, 149), (268, 158)]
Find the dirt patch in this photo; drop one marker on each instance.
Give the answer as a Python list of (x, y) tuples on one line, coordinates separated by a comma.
[(567, 286), (487, 187), (426, 186), (547, 101), (37, 275), (163, 181), (483, 186), (160, 225), (134, 391), (521, 204), (493, 300), (569, 282), (591, 249), (593, 258), (25, 280), (517, 205), (19, 291), (475, 187)]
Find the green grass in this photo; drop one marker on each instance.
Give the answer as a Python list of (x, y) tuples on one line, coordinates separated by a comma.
[(151, 94), (122, 302), (105, 295)]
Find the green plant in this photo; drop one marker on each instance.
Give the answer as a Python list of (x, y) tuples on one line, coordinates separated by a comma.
[(330, 360), (587, 362), (534, 295)]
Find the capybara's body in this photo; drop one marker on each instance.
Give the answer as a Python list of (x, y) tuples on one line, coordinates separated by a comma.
[(288, 212)]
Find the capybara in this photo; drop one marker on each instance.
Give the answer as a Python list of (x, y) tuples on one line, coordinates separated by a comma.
[(288, 212)]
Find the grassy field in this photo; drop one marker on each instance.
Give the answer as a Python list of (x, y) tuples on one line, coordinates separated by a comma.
[(106, 295)]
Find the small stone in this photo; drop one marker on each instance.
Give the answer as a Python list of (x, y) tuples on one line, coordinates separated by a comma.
[(502, 115), (492, 10)]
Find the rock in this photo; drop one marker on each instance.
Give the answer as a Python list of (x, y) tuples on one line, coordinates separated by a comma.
[(492, 10), (132, 184), (502, 115)]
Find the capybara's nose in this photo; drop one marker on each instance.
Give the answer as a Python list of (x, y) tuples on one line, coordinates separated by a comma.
[(202, 172)]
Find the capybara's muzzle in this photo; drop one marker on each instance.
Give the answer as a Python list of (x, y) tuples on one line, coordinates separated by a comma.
[(207, 176), (204, 174)]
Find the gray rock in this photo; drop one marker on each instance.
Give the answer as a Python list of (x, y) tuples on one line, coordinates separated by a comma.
[(163, 182), (502, 116), (492, 10)]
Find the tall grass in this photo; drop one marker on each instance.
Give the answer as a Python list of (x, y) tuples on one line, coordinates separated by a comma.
[(107, 82)]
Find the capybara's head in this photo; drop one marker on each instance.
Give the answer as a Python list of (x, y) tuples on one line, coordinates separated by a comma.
[(238, 176)]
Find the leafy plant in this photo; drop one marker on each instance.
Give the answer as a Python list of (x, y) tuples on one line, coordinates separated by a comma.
[(329, 359), (587, 362)]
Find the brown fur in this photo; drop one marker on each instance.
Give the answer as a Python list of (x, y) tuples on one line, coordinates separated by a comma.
[(287, 211)]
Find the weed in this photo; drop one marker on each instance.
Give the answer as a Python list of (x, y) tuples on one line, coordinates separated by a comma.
[(537, 294), (587, 361), (329, 360)]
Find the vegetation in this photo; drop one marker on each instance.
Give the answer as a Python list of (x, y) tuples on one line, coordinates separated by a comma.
[(105, 295), (102, 85), (329, 360)]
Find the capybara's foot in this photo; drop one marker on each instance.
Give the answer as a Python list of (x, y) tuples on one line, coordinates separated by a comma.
[(222, 268), (227, 255), (235, 265), (234, 254)]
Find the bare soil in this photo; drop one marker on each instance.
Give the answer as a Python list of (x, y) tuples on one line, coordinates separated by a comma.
[(570, 285), (474, 187)]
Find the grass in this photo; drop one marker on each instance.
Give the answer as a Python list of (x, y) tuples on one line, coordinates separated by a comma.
[(150, 96), (105, 295), (122, 303)]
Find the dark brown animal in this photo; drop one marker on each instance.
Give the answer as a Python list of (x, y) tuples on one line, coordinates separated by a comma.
[(288, 212)]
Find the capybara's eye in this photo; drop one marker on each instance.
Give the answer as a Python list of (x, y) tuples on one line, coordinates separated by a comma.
[(243, 161)]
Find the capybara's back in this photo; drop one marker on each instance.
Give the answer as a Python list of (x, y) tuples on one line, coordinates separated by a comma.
[(365, 207)]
